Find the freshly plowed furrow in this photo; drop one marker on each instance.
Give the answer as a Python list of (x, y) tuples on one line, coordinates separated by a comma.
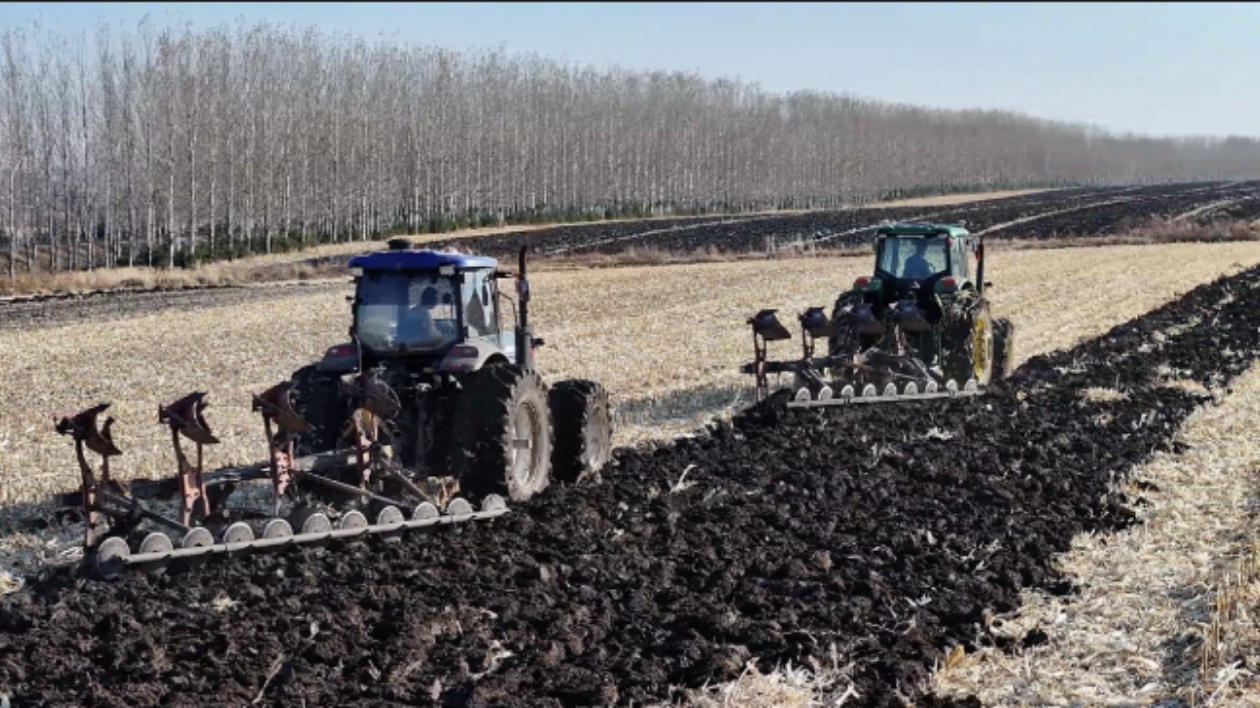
[(887, 532)]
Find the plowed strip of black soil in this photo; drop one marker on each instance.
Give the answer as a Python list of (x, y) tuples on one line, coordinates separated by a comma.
[(108, 307), (861, 529)]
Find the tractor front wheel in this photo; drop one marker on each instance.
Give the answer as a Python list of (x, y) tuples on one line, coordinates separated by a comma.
[(502, 434), (583, 429)]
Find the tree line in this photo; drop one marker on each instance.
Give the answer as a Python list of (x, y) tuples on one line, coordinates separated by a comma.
[(164, 146)]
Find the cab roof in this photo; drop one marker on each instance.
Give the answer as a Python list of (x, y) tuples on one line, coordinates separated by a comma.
[(405, 260), (924, 229)]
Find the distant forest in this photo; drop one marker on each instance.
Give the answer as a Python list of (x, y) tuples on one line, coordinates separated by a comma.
[(168, 147)]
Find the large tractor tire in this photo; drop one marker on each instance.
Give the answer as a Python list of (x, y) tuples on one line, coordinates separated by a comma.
[(583, 429), (1003, 348), (317, 398), (971, 356), (502, 438), (837, 343), (982, 347)]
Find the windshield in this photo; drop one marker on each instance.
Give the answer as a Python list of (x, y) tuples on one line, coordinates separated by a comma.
[(399, 312), (913, 258)]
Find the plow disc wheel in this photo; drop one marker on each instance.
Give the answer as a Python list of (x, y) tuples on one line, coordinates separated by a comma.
[(494, 502), (309, 520), (277, 528), (111, 556), (583, 429), (157, 542), (196, 538), (352, 520), (424, 511), (388, 515), (238, 533), (459, 508)]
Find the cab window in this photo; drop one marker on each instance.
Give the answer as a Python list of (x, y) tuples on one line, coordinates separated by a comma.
[(477, 298)]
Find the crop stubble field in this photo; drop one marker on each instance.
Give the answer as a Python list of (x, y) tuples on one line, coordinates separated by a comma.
[(666, 341)]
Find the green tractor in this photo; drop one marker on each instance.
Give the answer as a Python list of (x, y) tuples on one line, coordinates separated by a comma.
[(919, 327)]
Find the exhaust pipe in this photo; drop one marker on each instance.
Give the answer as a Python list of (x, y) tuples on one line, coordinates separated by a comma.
[(524, 338)]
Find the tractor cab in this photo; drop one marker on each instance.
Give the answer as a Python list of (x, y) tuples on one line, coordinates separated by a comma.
[(434, 309), (918, 261)]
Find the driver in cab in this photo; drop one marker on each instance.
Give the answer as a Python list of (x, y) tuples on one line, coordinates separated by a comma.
[(418, 326), (917, 266)]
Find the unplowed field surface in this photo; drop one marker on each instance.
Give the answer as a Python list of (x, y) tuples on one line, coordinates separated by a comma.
[(887, 532)]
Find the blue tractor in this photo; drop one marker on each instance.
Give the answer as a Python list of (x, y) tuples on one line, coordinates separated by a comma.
[(432, 374)]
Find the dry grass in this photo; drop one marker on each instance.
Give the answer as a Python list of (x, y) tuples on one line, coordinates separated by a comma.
[(785, 687), (954, 199), (1167, 609), (294, 265)]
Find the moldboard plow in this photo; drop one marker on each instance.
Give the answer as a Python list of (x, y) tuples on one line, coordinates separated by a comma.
[(870, 377), (919, 328), (356, 480)]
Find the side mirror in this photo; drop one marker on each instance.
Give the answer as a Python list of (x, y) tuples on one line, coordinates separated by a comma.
[(988, 284), (349, 298), (537, 341)]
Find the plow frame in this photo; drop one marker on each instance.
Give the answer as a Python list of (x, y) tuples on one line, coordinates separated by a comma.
[(811, 390), (100, 497)]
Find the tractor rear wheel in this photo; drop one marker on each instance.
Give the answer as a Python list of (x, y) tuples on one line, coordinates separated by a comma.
[(317, 398), (583, 429), (982, 347), (839, 343), (502, 434), (970, 342), (1003, 348)]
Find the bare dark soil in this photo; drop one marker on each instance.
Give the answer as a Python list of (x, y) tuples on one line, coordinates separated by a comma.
[(885, 532), (756, 233)]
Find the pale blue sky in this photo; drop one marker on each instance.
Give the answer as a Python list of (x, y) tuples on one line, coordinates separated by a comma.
[(1155, 68)]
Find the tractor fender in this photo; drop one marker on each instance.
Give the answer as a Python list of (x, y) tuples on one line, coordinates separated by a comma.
[(339, 359), (470, 356)]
